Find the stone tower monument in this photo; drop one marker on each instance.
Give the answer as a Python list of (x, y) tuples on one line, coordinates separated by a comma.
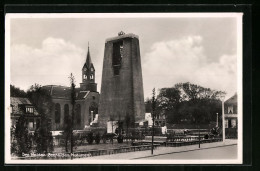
[(122, 97)]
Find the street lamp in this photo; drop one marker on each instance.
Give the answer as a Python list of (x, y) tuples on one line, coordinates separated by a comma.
[(153, 117), (222, 98), (217, 121)]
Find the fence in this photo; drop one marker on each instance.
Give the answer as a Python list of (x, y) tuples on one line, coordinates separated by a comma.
[(192, 142), (90, 153)]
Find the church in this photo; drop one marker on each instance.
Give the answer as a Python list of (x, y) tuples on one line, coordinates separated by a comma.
[(87, 100)]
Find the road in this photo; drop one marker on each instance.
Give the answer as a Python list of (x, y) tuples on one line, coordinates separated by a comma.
[(225, 152)]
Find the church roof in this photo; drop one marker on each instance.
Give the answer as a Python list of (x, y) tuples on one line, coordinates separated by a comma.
[(82, 95), (58, 91), (63, 92)]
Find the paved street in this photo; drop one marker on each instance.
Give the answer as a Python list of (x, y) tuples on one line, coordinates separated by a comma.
[(226, 152), (216, 150)]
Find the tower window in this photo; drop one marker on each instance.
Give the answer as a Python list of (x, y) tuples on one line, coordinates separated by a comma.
[(91, 77), (117, 56), (85, 76)]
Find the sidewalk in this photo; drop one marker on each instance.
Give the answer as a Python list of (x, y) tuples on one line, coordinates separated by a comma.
[(161, 150)]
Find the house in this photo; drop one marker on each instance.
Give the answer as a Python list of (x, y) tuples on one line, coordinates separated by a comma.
[(22, 106), (230, 111)]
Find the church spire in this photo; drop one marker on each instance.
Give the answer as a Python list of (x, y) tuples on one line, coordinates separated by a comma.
[(88, 60), (88, 75)]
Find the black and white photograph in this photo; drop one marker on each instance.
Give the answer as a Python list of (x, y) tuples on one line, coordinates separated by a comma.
[(123, 88)]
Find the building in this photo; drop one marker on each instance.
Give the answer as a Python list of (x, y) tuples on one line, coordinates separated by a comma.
[(230, 111), (22, 106), (122, 83), (87, 100)]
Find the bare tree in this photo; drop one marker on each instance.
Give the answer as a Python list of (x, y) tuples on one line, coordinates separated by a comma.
[(73, 102), (153, 114)]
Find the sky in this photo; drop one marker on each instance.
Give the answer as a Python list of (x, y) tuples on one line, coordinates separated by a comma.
[(199, 50)]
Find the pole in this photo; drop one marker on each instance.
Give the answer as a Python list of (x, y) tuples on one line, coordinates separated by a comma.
[(153, 133), (223, 122), (153, 115), (199, 136), (112, 131), (217, 121)]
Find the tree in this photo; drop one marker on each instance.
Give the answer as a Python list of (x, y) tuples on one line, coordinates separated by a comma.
[(97, 138), (90, 137), (188, 103), (168, 103), (127, 122), (148, 105), (22, 137), (67, 131), (42, 101), (17, 92), (73, 102), (194, 92)]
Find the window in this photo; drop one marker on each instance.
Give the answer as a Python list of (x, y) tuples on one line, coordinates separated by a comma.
[(91, 77), (226, 123), (233, 123), (57, 113), (29, 109), (92, 69), (85, 76), (31, 124), (230, 110)]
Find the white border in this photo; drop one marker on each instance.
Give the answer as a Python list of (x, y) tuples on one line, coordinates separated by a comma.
[(8, 17)]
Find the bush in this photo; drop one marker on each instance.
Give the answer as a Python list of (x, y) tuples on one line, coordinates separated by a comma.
[(44, 140), (90, 137), (206, 136), (120, 139), (22, 137), (97, 138)]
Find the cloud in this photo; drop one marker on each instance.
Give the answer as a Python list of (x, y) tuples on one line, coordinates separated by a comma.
[(50, 64), (166, 64), (184, 60)]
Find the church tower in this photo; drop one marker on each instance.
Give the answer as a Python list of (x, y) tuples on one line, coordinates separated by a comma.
[(122, 96), (88, 75)]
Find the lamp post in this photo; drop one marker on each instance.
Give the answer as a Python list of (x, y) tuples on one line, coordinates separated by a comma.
[(153, 117), (222, 98), (217, 121)]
